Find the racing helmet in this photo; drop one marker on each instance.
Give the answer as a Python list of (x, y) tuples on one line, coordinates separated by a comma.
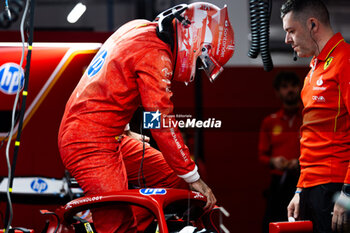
[(200, 31)]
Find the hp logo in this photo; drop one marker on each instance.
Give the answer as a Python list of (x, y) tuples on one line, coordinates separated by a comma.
[(97, 63), (39, 185), (10, 75), (150, 191)]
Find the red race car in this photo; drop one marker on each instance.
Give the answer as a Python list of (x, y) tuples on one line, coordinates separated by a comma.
[(174, 210)]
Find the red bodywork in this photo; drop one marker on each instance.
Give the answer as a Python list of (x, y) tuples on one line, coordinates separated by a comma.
[(155, 203), (55, 70)]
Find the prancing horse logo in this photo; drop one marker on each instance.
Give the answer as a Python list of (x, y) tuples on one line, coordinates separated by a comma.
[(328, 62)]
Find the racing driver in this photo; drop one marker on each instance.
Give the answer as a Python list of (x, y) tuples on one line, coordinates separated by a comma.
[(136, 65)]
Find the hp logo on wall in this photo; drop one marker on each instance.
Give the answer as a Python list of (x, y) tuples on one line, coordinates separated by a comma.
[(39, 185), (97, 63), (11, 74)]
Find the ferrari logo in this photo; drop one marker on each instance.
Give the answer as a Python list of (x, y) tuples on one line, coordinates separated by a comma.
[(277, 130), (327, 63)]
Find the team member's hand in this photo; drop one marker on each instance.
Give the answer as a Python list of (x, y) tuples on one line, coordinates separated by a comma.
[(279, 162), (293, 164), (339, 218), (201, 187), (137, 136), (293, 207)]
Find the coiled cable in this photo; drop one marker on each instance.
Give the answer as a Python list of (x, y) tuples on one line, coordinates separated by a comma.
[(264, 8), (254, 26), (260, 12)]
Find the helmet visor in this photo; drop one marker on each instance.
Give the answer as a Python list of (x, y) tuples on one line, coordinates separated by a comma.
[(210, 66)]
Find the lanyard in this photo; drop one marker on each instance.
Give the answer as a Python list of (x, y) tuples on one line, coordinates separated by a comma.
[(313, 69)]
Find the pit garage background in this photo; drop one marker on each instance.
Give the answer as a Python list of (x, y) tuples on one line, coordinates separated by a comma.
[(241, 97)]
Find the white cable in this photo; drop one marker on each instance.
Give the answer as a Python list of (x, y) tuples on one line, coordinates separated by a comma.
[(222, 227), (227, 214), (222, 209), (13, 121)]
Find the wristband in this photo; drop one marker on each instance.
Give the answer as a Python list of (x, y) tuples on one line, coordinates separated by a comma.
[(298, 191), (191, 176)]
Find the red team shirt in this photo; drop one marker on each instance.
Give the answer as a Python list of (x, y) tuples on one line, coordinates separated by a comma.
[(325, 142), (279, 136)]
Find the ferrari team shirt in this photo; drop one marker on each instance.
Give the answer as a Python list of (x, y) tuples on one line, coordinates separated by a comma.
[(325, 133)]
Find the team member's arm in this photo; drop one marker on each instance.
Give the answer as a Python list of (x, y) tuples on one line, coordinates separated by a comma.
[(340, 208), (339, 211), (154, 72), (265, 147), (344, 86), (293, 207)]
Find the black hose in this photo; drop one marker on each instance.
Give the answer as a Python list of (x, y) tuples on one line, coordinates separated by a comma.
[(58, 221), (260, 12), (264, 8), (254, 26), (24, 94)]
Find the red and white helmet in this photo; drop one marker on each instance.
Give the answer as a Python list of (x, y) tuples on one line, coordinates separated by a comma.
[(202, 31)]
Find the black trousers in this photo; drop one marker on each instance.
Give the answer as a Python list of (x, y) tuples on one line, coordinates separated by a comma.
[(316, 204)]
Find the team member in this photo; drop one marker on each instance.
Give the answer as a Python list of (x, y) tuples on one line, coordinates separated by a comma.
[(136, 65), (325, 133), (279, 147)]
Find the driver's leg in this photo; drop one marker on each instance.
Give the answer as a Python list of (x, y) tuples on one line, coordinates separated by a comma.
[(99, 172), (156, 171)]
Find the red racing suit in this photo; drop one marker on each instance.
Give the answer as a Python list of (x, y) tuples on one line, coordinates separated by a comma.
[(325, 133), (133, 67)]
